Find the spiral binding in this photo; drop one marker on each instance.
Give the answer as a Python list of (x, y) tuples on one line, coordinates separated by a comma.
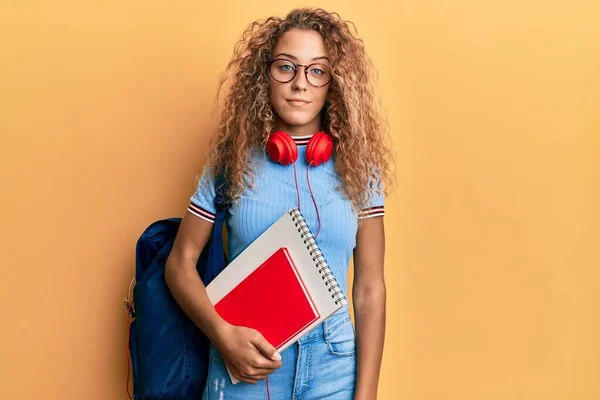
[(313, 250)]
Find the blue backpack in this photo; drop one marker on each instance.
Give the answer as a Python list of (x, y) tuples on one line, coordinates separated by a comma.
[(169, 353)]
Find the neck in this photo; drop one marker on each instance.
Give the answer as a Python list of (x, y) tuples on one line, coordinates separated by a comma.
[(298, 130)]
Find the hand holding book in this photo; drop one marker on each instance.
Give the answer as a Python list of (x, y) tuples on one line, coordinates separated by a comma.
[(247, 354)]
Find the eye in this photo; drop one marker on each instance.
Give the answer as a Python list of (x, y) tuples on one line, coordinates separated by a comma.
[(317, 71)]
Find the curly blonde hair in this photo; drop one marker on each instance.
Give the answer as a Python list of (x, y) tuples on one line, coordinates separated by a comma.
[(350, 116)]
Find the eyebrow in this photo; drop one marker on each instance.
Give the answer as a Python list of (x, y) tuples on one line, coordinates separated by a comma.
[(291, 56)]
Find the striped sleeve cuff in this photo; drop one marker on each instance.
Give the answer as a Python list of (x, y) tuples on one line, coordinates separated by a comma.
[(201, 213), (372, 212)]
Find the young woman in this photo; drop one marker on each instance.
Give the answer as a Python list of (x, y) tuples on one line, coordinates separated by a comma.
[(295, 83)]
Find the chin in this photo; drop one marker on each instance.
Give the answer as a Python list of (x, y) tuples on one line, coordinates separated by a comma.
[(296, 118)]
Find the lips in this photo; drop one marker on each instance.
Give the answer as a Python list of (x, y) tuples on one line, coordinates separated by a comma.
[(297, 102)]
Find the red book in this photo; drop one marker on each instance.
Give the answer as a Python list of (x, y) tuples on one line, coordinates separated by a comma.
[(272, 299)]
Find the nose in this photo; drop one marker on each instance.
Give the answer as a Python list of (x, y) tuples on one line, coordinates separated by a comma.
[(300, 82)]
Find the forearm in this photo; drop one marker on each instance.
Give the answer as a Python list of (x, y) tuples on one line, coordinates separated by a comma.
[(190, 293), (369, 312)]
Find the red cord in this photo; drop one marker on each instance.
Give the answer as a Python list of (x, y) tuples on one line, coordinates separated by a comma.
[(268, 394), (314, 201), (297, 189), (128, 341)]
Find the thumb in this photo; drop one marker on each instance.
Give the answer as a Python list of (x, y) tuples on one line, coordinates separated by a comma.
[(266, 348)]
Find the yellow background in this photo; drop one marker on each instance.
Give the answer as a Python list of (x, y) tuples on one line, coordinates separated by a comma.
[(492, 236)]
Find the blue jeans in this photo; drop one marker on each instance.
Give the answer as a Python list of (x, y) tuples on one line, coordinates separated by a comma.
[(321, 365)]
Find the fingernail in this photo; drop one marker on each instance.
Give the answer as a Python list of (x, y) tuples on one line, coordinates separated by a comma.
[(276, 356)]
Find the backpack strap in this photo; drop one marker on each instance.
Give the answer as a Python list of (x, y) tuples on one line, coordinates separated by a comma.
[(216, 255)]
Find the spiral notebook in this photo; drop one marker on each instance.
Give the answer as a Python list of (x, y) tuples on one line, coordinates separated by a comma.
[(279, 285)]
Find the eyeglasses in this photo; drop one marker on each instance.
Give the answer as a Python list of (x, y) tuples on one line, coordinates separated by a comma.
[(284, 71)]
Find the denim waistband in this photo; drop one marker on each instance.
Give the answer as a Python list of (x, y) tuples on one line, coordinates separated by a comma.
[(324, 330)]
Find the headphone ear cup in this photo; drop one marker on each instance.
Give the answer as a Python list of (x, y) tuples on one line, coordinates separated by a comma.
[(281, 148), (319, 149)]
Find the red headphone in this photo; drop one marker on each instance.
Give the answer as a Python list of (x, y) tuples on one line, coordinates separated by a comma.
[(282, 148)]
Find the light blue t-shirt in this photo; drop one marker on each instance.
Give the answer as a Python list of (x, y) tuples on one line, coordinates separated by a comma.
[(274, 193)]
